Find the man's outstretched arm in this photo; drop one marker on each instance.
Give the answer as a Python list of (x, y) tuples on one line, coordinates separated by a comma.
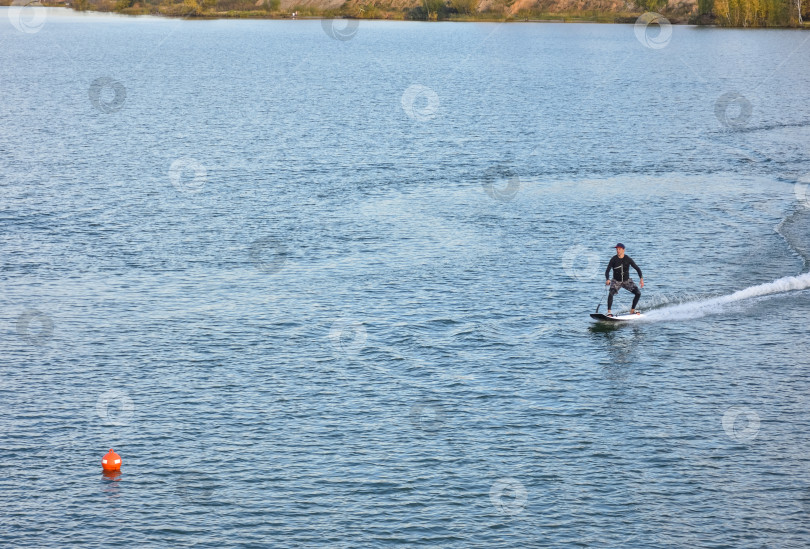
[(607, 272)]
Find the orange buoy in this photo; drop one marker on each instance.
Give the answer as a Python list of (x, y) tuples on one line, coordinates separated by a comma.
[(111, 461)]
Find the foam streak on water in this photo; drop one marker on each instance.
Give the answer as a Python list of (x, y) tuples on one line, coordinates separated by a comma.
[(715, 305)]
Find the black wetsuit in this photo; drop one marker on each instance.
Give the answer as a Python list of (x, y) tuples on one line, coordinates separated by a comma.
[(621, 278), (621, 268)]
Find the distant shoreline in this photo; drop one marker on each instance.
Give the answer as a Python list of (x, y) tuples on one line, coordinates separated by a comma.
[(586, 16)]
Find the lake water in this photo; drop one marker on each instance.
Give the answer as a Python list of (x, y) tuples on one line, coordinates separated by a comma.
[(329, 286)]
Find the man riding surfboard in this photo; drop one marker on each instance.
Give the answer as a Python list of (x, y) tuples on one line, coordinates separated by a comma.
[(621, 264)]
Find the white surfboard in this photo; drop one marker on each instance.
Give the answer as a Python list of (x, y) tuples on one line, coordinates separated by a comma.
[(627, 317)]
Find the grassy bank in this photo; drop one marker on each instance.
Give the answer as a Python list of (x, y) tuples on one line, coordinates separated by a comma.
[(728, 13)]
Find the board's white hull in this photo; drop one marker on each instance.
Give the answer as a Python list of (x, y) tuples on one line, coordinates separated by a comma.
[(618, 318)]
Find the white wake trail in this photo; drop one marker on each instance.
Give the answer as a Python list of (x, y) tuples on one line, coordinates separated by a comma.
[(697, 309)]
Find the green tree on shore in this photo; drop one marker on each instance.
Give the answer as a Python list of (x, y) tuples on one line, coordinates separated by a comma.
[(705, 7), (465, 7), (434, 9), (651, 5), (758, 13)]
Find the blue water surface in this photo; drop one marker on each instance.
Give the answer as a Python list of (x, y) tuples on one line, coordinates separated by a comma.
[(335, 292)]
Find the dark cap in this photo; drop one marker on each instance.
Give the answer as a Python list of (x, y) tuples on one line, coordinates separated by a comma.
[(619, 245)]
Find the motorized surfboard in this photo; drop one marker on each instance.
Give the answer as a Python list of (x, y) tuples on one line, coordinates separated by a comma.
[(628, 317)]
